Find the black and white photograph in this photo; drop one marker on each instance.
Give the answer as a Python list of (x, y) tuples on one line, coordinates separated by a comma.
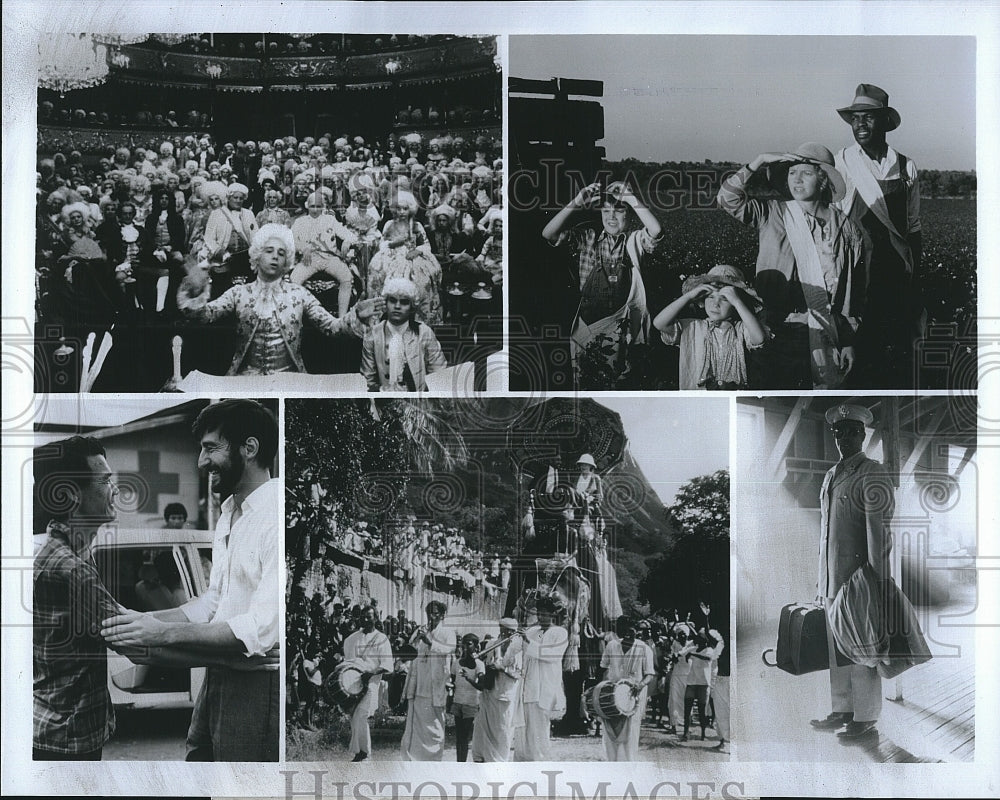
[(516, 580), (549, 564), (155, 594), (857, 591), (310, 211), (742, 212)]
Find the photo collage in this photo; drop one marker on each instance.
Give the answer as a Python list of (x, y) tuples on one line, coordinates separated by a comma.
[(527, 400)]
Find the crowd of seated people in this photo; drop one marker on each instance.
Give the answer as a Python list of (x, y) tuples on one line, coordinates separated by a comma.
[(317, 629), (425, 556), (60, 113), (318, 624), (400, 218)]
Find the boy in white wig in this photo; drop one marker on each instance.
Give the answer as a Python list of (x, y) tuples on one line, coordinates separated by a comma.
[(400, 352)]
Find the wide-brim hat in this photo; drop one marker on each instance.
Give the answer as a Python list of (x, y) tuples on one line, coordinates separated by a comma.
[(807, 153), (725, 275), (868, 97), (587, 458), (850, 412)]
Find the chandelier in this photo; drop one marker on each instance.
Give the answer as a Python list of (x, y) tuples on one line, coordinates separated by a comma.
[(116, 39), (392, 66), (120, 59), (70, 61)]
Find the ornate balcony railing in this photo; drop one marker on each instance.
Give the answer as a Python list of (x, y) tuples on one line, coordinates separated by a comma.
[(435, 63)]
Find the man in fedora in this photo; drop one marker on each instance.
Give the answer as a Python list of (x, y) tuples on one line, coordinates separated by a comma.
[(883, 198), (856, 505)]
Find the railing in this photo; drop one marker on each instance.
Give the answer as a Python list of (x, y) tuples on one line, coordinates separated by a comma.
[(435, 61)]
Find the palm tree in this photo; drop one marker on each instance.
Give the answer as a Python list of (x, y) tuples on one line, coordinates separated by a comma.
[(433, 439)]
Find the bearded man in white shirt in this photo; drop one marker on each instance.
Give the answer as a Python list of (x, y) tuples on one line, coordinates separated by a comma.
[(236, 716)]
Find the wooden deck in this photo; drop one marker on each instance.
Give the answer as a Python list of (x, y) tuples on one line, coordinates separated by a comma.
[(934, 722)]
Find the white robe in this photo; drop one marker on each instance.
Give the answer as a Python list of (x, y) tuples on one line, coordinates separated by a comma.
[(542, 695)]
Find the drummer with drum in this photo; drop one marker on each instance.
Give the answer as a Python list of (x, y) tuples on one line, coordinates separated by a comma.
[(620, 700), (367, 657)]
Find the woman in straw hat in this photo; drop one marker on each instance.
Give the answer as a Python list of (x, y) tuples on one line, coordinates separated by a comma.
[(588, 485), (810, 270)]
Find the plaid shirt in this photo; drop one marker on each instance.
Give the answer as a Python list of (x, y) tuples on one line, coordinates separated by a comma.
[(72, 707), (594, 249)]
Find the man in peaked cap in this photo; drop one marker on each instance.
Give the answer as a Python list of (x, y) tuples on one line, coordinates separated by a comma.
[(856, 504), (883, 199)]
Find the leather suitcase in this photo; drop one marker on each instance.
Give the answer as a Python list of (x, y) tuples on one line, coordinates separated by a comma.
[(801, 646)]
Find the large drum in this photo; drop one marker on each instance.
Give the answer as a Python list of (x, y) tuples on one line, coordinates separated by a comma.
[(347, 685), (612, 700)]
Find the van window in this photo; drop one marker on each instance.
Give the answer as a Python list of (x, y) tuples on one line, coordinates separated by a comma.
[(142, 578), (205, 556)]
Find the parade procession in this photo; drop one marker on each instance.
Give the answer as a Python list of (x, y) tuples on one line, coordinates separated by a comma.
[(427, 639), (402, 402)]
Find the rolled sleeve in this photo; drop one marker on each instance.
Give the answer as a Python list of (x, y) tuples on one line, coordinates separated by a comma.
[(672, 333), (646, 242), (734, 200), (202, 608), (89, 601)]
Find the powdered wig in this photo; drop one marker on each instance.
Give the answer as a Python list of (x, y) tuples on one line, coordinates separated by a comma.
[(407, 201), (401, 287), (83, 208), (272, 231), (213, 189)]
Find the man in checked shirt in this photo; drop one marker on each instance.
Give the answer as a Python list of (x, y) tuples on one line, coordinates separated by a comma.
[(73, 716), (236, 717), (610, 259)]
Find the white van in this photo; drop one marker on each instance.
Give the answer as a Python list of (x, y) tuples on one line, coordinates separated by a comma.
[(148, 569)]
